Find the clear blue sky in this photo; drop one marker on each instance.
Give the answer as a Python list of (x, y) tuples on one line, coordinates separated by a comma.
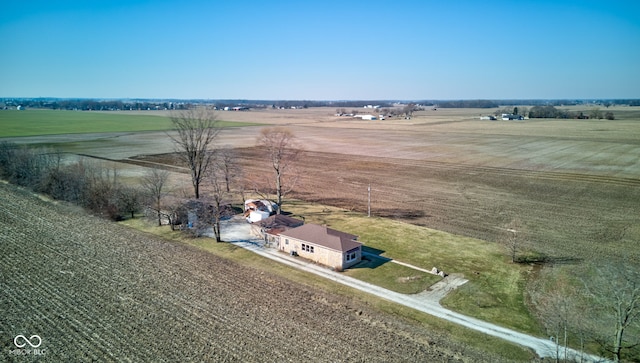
[(320, 50)]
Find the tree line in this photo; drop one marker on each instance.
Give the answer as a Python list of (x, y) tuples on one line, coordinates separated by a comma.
[(97, 105), (213, 169), (178, 104), (599, 308), (88, 184), (552, 112), (595, 305)]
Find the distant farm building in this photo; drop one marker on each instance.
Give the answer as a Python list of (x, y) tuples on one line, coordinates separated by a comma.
[(366, 117), (510, 116)]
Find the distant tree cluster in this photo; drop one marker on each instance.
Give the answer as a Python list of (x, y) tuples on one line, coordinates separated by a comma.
[(97, 105), (552, 112), (547, 112), (467, 104), (522, 111), (87, 184), (177, 104), (306, 104)]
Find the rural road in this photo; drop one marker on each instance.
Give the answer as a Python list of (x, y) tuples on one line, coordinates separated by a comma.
[(543, 347)]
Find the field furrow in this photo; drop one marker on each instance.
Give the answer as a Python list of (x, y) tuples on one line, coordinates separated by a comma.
[(95, 291), (557, 208)]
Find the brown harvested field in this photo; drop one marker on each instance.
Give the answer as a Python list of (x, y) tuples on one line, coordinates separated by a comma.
[(97, 291), (574, 184), (565, 215)]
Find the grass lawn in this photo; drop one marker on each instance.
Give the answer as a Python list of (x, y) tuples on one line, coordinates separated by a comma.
[(496, 288), (392, 276), (252, 260), (54, 122)]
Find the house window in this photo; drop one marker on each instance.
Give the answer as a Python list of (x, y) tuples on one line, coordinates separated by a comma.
[(286, 241), (307, 248), (311, 249), (351, 256)]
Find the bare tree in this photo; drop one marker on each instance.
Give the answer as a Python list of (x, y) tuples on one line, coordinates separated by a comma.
[(101, 194), (226, 163), (512, 238), (196, 132), (26, 166), (559, 306), (282, 150), (154, 182), (595, 113), (67, 182), (130, 200), (216, 209), (175, 213), (615, 292), (409, 109)]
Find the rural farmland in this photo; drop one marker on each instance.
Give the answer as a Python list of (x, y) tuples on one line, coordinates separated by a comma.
[(93, 290), (574, 185)]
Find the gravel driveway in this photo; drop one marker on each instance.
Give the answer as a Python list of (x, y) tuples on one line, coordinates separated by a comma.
[(238, 232)]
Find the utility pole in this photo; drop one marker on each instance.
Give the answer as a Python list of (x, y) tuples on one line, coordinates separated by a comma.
[(369, 201)]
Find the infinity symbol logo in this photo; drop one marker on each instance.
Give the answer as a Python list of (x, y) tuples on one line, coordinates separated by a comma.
[(27, 341)]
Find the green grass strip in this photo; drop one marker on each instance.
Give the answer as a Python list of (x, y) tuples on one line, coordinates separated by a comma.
[(57, 122)]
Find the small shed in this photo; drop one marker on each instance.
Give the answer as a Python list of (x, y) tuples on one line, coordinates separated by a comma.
[(257, 215), (260, 204)]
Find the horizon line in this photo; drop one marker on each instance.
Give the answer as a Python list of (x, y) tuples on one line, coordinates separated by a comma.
[(310, 100)]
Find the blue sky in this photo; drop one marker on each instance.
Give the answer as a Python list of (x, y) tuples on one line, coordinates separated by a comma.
[(320, 50)]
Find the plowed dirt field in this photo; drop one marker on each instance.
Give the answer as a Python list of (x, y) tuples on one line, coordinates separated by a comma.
[(557, 208), (568, 216), (97, 291)]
